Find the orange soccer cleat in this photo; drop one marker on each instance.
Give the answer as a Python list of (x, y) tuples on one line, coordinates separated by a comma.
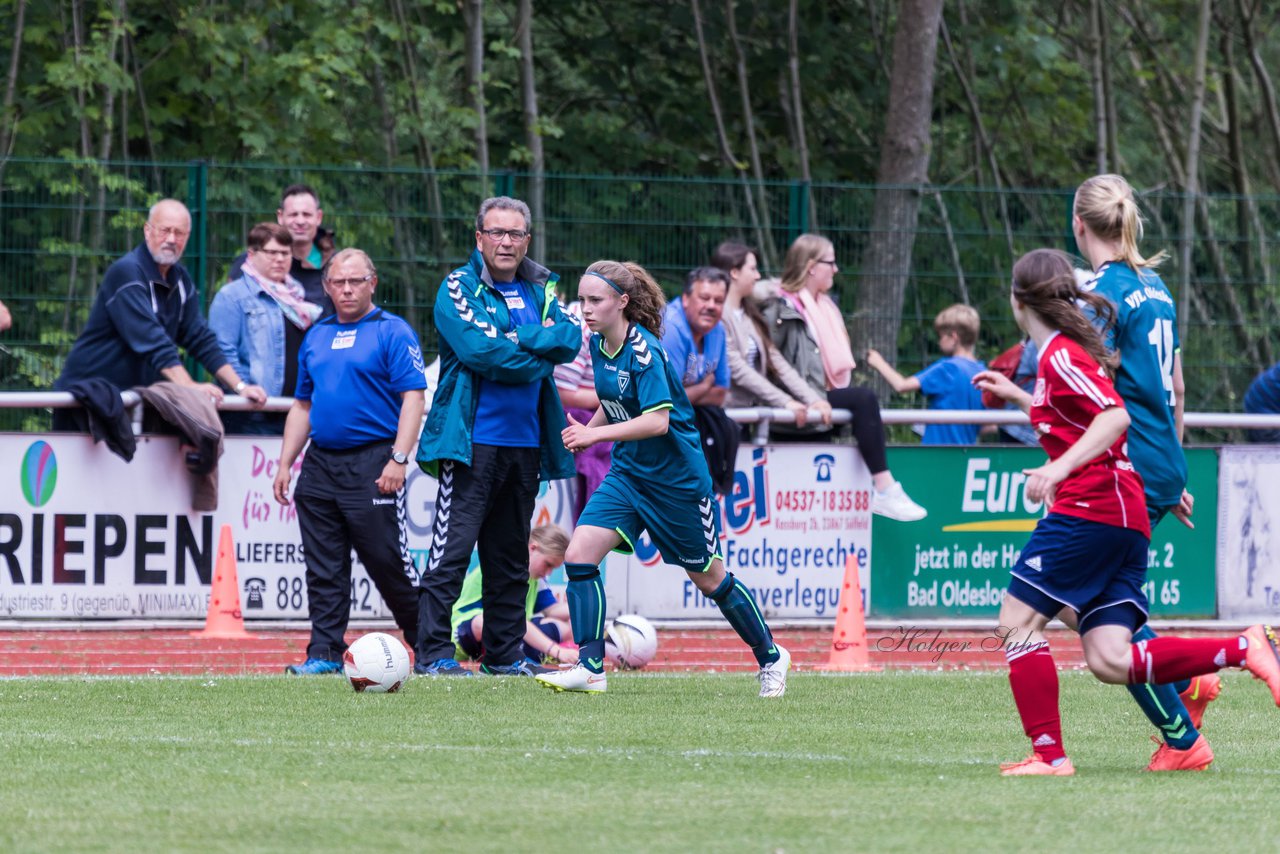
[(1195, 758), (1033, 765), (1262, 659), (1202, 691)]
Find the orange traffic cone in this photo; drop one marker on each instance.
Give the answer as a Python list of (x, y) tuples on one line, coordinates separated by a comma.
[(224, 619), (849, 641)]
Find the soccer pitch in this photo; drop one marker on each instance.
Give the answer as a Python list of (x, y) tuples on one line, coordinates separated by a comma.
[(897, 761)]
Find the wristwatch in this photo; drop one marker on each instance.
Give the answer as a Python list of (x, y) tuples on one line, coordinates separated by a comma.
[(397, 457), (241, 386)]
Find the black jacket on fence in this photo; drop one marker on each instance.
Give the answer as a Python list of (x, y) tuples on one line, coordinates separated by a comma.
[(102, 415), (720, 438)]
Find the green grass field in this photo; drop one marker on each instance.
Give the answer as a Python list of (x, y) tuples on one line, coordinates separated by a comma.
[(880, 762)]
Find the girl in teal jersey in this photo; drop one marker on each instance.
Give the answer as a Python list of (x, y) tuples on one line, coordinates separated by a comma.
[(658, 480), (1107, 227)]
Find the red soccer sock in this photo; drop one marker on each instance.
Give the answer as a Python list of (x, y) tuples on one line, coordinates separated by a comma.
[(1162, 660), (1034, 680)]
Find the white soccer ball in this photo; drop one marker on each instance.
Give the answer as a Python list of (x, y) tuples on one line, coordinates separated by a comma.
[(634, 641), (377, 663)]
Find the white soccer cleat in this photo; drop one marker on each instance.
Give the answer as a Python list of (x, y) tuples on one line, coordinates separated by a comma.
[(576, 678), (773, 677), (894, 503)]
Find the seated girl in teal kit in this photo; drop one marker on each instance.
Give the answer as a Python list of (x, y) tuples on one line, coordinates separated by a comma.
[(547, 627), (658, 480)]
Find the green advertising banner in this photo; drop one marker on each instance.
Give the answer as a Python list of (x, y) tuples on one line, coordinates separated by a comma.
[(956, 562)]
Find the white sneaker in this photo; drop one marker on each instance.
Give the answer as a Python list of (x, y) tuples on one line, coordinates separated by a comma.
[(894, 503), (576, 678), (773, 677)]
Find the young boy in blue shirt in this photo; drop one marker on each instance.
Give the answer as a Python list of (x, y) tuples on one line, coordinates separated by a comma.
[(947, 383)]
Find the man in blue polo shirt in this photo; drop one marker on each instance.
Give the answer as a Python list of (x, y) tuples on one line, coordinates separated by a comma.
[(694, 338), (359, 400), (492, 434)]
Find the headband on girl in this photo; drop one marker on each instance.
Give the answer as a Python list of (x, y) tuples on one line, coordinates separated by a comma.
[(608, 281)]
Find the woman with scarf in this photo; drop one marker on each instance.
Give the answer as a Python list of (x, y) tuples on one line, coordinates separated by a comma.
[(808, 330), (260, 320)]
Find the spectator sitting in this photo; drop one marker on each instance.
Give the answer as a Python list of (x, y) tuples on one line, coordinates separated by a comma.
[(1263, 398), (546, 618), (948, 382), (576, 385), (6, 319), (808, 328), (759, 374), (146, 308), (694, 339), (260, 320), (312, 245)]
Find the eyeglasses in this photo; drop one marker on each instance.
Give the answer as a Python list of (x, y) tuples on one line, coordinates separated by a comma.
[(832, 262), (274, 253), (497, 234), (350, 283), (177, 233)]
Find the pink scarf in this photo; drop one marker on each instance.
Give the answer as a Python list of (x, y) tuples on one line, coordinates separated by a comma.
[(289, 295), (826, 324)]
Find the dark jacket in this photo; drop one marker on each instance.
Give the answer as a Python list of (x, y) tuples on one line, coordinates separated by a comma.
[(138, 321), (720, 437), (469, 311), (103, 416)]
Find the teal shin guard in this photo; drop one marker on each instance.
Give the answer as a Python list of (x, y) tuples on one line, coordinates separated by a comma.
[(585, 593), (1145, 633), (1163, 707), (739, 608)]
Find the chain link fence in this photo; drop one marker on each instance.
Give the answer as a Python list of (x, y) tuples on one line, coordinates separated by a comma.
[(63, 222)]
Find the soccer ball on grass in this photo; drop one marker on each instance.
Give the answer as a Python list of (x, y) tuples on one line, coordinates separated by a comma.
[(631, 641), (376, 663)]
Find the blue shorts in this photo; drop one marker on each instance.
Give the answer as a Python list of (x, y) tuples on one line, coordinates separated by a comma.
[(684, 525), (466, 641), (1094, 569), (468, 647), (549, 628)]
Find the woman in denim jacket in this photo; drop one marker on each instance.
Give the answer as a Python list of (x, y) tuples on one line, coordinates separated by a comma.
[(260, 320)]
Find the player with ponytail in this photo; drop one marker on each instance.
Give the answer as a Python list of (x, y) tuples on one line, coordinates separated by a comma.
[(1087, 558), (658, 479)]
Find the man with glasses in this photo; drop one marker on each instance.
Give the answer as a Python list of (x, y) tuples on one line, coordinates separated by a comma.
[(492, 434), (359, 401), (146, 308)]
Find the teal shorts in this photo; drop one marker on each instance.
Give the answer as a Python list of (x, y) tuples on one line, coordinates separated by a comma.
[(684, 525)]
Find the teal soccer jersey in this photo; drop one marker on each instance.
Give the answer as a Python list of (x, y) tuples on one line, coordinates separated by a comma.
[(1146, 337), (639, 378)]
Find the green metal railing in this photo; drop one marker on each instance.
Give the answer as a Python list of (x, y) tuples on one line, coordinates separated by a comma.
[(63, 222)]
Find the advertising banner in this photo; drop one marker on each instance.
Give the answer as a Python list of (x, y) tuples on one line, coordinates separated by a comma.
[(1249, 534), (83, 534), (956, 562), (795, 514)]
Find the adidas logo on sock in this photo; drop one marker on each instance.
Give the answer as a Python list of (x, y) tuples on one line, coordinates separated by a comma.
[(1034, 563), (1043, 741), (1221, 658)]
